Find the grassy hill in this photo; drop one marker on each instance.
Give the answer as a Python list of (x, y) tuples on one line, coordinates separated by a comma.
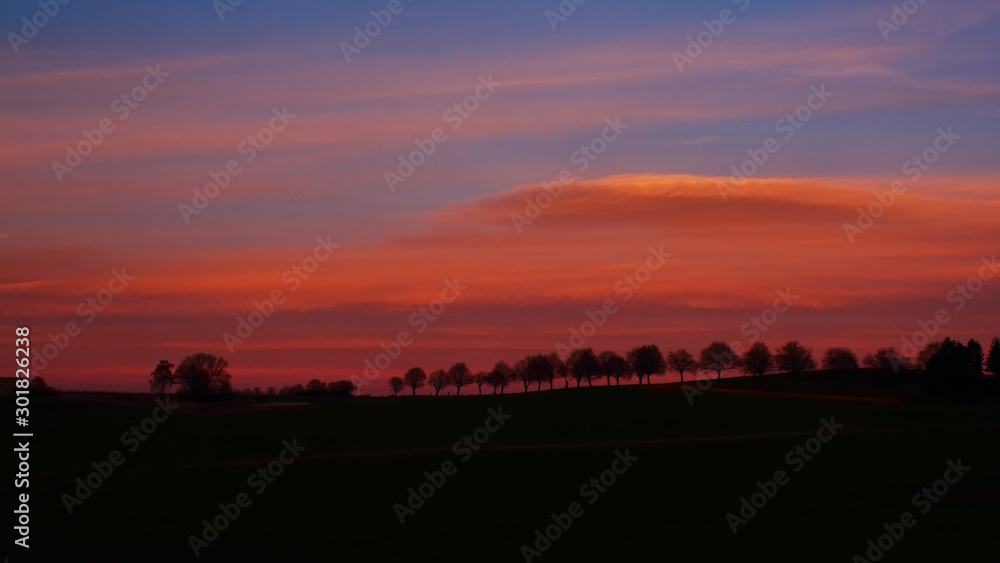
[(696, 459)]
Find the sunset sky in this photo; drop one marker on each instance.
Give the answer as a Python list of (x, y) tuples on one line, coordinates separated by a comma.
[(929, 89)]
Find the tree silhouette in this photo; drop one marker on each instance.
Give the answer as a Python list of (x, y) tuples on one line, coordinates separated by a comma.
[(521, 372), (203, 375), (559, 369), (480, 378), (682, 361), (757, 360), (439, 379), (888, 359), (501, 375), (646, 361), (839, 359), (540, 368), (718, 357), (795, 358), (396, 384), (993, 359), (976, 357), (583, 365), (315, 387), (162, 378), (414, 378), (927, 353), (460, 376), (614, 367), (342, 388)]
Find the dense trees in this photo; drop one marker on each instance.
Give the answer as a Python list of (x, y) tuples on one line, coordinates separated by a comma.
[(839, 359), (976, 357), (646, 361), (718, 357), (757, 360), (501, 375), (614, 367), (888, 359), (682, 361), (993, 359), (583, 365)]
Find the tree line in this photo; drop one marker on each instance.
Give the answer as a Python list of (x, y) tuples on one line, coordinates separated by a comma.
[(949, 368), (947, 358)]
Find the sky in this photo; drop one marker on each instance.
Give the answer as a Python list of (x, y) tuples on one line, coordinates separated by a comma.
[(478, 181)]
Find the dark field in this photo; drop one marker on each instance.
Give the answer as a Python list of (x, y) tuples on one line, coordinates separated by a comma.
[(695, 461)]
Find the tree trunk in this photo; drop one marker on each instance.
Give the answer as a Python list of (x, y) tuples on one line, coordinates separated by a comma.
[(682, 377)]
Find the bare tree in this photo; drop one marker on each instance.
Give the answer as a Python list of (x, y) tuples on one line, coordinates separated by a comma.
[(839, 359), (521, 372), (415, 378), (162, 378), (718, 357), (439, 379), (888, 359), (396, 384), (480, 378), (795, 358), (646, 361), (460, 376), (757, 360), (559, 369), (203, 375), (682, 361)]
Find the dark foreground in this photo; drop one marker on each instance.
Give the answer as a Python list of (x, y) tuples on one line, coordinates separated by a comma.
[(335, 500)]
